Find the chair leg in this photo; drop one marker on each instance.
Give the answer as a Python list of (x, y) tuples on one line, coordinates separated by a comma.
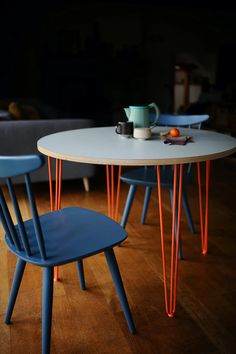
[(47, 299), (128, 204), (114, 269), (148, 191), (176, 222), (20, 267), (188, 212), (80, 268)]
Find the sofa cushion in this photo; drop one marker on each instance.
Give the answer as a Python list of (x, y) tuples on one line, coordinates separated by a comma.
[(15, 110), (23, 111)]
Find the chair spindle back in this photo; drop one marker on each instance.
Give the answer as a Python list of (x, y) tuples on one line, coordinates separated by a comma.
[(182, 120), (12, 166)]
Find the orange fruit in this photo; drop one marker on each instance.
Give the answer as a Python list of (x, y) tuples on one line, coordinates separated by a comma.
[(174, 132)]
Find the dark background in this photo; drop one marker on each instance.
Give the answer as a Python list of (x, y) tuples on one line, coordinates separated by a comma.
[(90, 59)]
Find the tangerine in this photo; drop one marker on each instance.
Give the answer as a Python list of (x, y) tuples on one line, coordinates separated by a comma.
[(174, 132)]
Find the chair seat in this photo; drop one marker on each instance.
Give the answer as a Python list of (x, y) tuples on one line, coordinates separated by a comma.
[(89, 232), (148, 177)]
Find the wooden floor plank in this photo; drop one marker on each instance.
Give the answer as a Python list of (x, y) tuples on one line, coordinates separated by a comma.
[(92, 321)]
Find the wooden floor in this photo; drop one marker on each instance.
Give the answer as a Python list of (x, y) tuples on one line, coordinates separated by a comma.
[(91, 321)]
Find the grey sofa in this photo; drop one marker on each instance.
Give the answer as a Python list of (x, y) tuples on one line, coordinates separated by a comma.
[(20, 137)]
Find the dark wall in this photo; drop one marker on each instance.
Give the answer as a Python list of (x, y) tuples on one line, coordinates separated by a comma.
[(94, 58)]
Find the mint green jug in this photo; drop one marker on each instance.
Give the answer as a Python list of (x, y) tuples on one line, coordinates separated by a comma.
[(140, 115)]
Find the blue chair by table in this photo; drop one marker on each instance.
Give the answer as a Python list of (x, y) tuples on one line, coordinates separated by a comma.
[(55, 238), (146, 176)]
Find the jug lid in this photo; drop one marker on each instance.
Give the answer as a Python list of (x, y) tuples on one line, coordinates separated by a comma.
[(138, 107)]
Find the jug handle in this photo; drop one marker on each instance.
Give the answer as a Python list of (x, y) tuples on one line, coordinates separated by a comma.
[(153, 105)]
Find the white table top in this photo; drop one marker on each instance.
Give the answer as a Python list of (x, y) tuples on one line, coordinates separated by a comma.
[(103, 146)]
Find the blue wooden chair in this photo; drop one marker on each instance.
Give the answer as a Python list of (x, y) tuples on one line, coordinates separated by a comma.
[(146, 176), (55, 238)]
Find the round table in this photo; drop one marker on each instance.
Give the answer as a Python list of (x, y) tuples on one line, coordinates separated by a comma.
[(103, 146)]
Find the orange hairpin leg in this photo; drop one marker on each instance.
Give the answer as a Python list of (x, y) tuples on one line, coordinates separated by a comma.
[(170, 303), (112, 202), (55, 202), (204, 224)]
